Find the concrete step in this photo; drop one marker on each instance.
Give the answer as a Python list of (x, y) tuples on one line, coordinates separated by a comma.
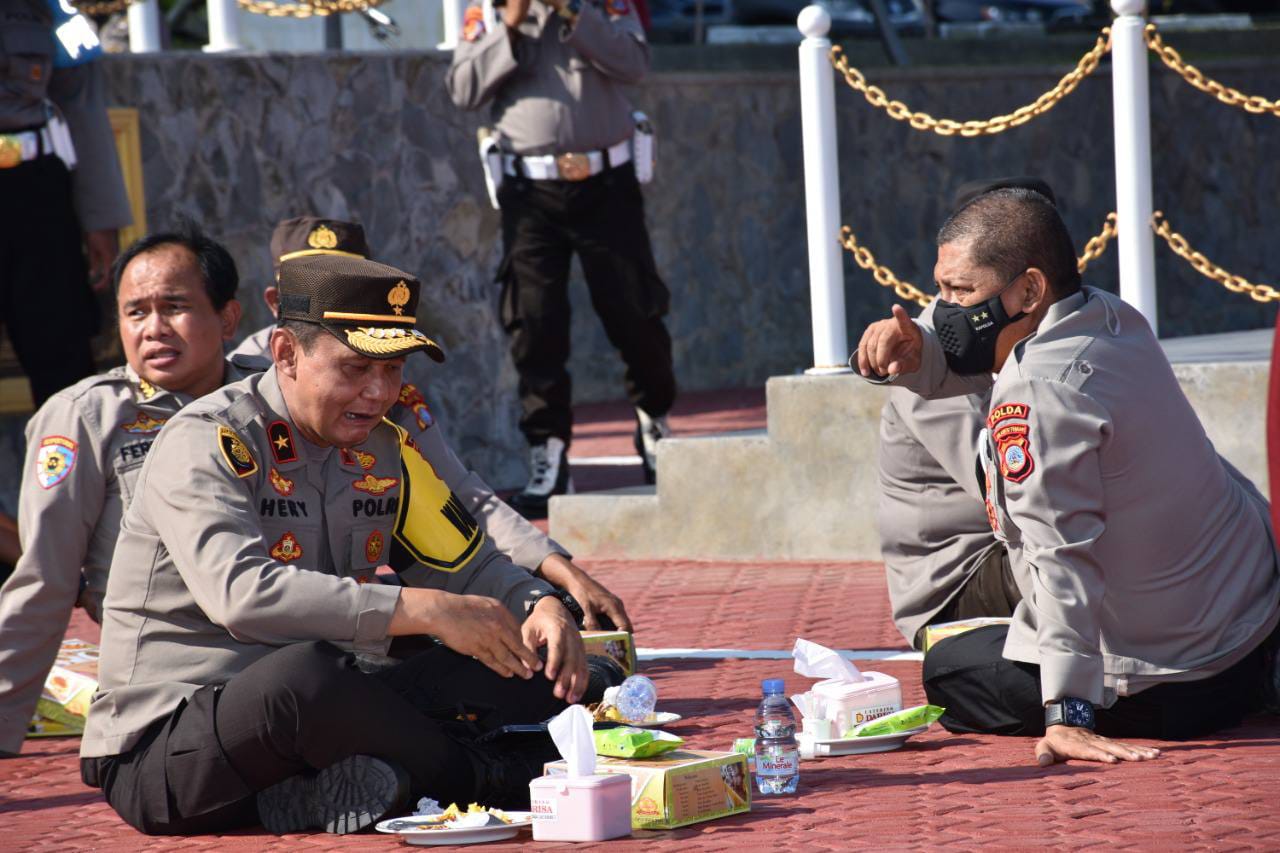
[(806, 488)]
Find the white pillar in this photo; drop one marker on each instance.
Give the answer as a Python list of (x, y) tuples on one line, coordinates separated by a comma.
[(453, 12), (822, 193), (144, 27), (1132, 121), (224, 26)]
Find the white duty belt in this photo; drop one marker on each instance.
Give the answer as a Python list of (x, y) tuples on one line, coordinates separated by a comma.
[(567, 167), (24, 146)]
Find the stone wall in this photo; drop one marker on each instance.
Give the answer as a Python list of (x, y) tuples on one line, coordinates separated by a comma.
[(241, 142)]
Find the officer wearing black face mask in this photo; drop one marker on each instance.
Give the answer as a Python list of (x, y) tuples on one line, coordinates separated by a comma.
[(1149, 573)]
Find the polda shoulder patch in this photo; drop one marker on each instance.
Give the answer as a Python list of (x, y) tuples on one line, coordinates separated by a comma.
[(236, 453)]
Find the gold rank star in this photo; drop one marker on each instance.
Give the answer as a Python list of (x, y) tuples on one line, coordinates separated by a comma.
[(282, 441)]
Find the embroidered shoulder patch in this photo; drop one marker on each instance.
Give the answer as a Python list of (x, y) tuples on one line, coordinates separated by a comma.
[(412, 399), (473, 23), (1013, 451), (617, 8), (281, 438), (287, 549), (1006, 411), (54, 460), (236, 454)]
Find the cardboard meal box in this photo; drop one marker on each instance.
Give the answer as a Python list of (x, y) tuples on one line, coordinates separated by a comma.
[(679, 787), (68, 689), (618, 645), (934, 634)]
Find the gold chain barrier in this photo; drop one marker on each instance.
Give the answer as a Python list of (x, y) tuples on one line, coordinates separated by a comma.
[(884, 276), (949, 127), (1236, 284), (106, 7), (305, 8), (1231, 97)]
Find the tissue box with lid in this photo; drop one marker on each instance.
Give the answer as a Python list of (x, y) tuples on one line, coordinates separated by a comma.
[(583, 808)]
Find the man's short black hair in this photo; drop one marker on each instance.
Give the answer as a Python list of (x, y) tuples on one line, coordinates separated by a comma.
[(1014, 228), (305, 332), (216, 264)]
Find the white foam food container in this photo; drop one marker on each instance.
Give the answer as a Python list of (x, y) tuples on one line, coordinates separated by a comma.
[(849, 703)]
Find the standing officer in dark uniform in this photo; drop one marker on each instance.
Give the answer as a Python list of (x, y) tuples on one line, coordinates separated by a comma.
[(567, 183), (61, 181)]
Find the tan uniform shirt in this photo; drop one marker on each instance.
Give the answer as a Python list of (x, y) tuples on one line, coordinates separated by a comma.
[(28, 79), (1142, 556), (933, 528), (85, 447), (243, 538), (554, 89), (513, 535)]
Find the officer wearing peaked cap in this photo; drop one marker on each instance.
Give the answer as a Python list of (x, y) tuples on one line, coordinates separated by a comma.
[(566, 163), (510, 532), (228, 692)]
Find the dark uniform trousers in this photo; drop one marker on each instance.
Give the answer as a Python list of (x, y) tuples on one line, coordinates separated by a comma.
[(984, 693), (601, 219), (304, 707), (989, 591), (44, 290)]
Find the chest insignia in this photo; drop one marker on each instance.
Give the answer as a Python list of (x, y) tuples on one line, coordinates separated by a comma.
[(366, 460), (374, 485), (287, 549), (54, 460), (144, 425), (236, 454), (282, 484), (411, 398), (146, 389), (281, 438), (373, 546)]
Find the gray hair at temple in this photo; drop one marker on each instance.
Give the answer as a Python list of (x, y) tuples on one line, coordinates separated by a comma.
[(1012, 229)]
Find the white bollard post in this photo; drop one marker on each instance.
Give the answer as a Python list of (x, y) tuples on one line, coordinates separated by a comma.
[(224, 26), (144, 27), (1130, 96), (822, 193), (453, 12)]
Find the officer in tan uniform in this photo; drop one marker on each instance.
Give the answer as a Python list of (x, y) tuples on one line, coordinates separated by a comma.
[(553, 72), (85, 446), (510, 532), (1146, 563), (242, 582), (61, 185)]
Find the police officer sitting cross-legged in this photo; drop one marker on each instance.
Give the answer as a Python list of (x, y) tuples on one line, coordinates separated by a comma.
[(1149, 573), (244, 578), (176, 306)]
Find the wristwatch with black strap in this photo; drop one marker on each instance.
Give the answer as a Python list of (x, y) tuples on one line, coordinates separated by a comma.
[(1069, 711), (570, 603)]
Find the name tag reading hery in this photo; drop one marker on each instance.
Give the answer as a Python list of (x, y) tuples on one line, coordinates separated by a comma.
[(432, 526)]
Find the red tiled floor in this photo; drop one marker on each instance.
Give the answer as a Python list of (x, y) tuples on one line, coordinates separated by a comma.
[(941, 790)]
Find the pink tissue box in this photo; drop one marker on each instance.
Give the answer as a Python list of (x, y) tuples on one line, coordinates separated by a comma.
[(586, 808)]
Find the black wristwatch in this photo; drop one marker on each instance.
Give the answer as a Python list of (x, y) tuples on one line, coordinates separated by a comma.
[(1069, 711), (570, 603)]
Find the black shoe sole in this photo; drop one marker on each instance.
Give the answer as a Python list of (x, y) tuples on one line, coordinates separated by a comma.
[(346, 797)]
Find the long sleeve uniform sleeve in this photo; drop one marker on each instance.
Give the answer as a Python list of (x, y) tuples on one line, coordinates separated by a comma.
[(96, 183), (614, 44), (480, 67)]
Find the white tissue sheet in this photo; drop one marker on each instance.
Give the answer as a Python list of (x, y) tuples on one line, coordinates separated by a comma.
[(815, 661), (571, 732)]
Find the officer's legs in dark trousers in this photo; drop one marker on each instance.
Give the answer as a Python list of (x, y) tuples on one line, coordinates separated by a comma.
[(985, 693), (302, 708), (535, 305), (44, 278), (611, 240), (989, 591)]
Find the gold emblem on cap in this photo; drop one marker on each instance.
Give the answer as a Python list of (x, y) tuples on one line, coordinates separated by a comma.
[(399, 297), (322, 237)]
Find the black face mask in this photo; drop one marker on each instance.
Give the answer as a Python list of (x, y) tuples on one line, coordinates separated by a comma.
[(968, 334)]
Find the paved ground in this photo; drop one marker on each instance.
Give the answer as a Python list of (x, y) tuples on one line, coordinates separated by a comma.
[(941, 790)]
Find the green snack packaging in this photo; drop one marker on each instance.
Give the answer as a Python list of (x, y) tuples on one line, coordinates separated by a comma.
[(628, 742), (902, 721)]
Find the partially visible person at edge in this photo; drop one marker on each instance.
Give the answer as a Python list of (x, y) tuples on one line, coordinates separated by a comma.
[(510, 532), (62, 189), (941, 559), (242, 594), (1147, 563), (568, 161), (175, 301)]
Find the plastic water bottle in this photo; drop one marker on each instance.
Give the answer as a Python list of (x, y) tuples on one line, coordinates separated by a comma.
[(636, 699), (777, 753)]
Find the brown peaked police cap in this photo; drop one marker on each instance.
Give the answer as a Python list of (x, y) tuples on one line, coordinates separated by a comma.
[(369, 306), (305, 236)]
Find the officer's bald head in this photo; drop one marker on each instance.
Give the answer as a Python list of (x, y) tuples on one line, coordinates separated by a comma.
[(1012, 229)]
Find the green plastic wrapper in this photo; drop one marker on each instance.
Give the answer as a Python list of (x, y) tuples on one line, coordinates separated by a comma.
[(902, 721), (628, 742)]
